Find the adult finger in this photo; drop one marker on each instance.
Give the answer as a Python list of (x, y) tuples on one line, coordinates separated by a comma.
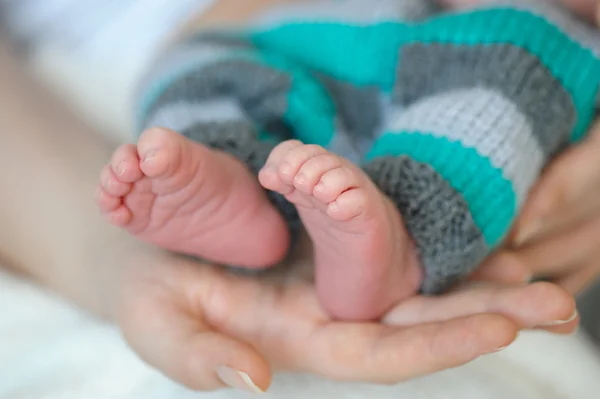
[(569, 178), (185, 349), (538, 305), (589, 9), (380, 354), (582, 279), (565, 216), (561, 252), (502, 268)]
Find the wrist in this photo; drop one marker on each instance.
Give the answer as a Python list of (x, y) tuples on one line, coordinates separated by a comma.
[(112, 261)]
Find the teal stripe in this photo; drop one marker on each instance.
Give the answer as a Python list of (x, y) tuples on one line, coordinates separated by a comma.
[(490, 196), (156, 88), (310, 111), (268, 137), (370, 55)]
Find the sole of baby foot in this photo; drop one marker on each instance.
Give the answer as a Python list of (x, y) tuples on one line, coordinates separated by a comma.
[(184, 197), (365, 261)]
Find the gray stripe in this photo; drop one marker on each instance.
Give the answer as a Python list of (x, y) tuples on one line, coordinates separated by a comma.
[(349, 11), (437, 217), (425, 70), (482, 119), (221, 38), (182, 115), (359, 108), (555, 12), (343, 145), (180, 60), (261, 91), (198, 50)]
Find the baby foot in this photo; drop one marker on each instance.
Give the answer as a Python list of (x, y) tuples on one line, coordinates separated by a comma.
[(364, 259), (186, 198)]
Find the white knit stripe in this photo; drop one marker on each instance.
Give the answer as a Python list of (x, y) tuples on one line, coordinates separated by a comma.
[(181, 60), (482, 119), (572, 26), (183, 115), (343, 144)]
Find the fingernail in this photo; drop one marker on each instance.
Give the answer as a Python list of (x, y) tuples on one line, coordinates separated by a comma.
[(528, 232), (501, 348), (561, 322), (237, 379)]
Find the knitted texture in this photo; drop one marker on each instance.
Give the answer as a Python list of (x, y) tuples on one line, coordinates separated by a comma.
[(453, 115)]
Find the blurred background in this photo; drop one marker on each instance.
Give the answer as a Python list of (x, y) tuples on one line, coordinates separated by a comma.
[(92, 53)]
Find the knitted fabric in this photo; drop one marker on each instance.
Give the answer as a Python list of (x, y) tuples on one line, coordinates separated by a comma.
[(452, 114)]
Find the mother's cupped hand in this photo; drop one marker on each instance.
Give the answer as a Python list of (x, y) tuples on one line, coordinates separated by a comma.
[(209, 329), (558, 234)]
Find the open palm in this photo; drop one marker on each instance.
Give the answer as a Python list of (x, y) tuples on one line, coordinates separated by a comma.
[(206, 328)]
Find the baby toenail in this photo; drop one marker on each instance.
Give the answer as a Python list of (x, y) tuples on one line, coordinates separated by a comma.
[(268, 168), (149, 156), (285, 168), (301, 178), (320, 187), (334, 207), (121, 168)]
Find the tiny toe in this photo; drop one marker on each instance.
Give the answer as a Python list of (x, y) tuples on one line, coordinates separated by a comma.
[(105, 201), (313, 170), (160, 151), (281, 150), (269, 179), (111, 184), (295, 159), (120, 216), (334, 183), (348, 205), (125, 164)]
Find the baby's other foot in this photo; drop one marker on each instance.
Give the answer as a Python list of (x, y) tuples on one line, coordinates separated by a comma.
[(365, 262), (187, 198)]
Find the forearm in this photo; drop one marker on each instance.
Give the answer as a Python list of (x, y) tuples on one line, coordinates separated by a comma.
[(49, 165), (50, 228), (232, 13)]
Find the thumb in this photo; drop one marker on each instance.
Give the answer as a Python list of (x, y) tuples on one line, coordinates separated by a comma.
[(189, 352), (569, 178), (589, 9)]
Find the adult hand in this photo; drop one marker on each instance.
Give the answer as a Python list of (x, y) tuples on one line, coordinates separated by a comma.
[(557, 236), (209, 329), (588, 9)]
